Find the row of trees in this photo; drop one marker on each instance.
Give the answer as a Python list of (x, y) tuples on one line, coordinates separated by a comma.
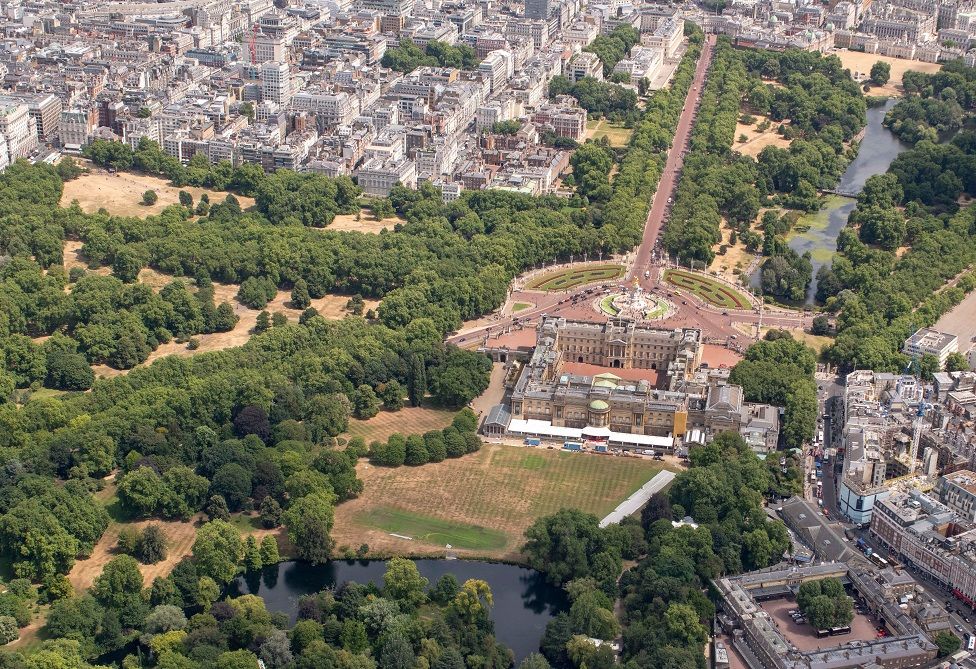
[(820, 110), (456, 440), (623, 216)]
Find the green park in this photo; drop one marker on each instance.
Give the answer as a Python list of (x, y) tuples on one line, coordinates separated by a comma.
[(711, 291), (571, 277)]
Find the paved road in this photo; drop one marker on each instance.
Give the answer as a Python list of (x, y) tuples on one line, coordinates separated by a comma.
[(672, 166)]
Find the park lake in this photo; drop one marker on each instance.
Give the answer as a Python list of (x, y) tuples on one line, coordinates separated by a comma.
[(817, 232), (523, 601)]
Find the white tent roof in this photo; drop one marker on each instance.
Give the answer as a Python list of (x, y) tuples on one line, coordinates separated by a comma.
[(545, 428), (542, 427), (642, 439)]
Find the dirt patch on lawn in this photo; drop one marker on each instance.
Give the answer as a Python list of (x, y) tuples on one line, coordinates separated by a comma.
[(179, 540), (73, 258), (817, 342), (332, 307), (179, 543), (757, 140), (860, 66), (736, 257), (366, 223), (121, 193)]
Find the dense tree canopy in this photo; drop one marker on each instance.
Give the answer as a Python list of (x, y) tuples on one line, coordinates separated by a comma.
[(825, 604), (820, 109), (407, 56), (935, 105), (779, 370)]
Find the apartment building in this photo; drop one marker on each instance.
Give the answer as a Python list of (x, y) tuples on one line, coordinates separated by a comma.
[(378, 176), (19, 130), (958, 492), (930, 536), (584, 64), (927, 341)]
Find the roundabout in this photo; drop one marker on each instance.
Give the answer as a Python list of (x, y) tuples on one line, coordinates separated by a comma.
[(636, 304)]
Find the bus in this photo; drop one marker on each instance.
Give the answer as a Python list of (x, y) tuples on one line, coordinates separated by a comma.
[(839, 631), (878, 560), (822, 633)]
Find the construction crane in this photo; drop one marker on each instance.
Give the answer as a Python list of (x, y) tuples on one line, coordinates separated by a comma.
[(919, 417)]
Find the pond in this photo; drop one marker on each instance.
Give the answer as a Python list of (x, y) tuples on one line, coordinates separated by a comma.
[(523, 601), (878, 148)]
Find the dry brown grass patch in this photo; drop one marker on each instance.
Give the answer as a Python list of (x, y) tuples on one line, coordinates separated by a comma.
[(366, 223), (858, 62), (121, 193)]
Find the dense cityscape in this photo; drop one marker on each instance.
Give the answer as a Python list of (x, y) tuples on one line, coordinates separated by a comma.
[(453, 334)]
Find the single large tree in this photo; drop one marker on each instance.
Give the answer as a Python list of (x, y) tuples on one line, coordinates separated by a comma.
[(880, 73), (218, 550), (309, 523)]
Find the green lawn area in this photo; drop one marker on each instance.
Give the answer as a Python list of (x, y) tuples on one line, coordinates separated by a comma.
[(434, 530), (713, 292), (575, 276), (616, 133), (606, 305), (520, 306), (501, 488), (408, 420)]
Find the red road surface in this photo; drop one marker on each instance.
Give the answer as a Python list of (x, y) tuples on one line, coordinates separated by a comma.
[(673, 164)]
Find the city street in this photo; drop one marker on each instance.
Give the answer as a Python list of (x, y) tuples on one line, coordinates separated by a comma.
[(830, 395)]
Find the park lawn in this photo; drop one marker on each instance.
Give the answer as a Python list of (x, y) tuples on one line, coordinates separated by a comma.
[(504, 488), (606, 305), (520, 306), (575, 276), (432, 530), (616, 134), (406, 421), (713, 292), (121, 193)]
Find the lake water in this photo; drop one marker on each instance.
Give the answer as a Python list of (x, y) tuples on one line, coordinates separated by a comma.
[(878, 148), (523, 601)]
